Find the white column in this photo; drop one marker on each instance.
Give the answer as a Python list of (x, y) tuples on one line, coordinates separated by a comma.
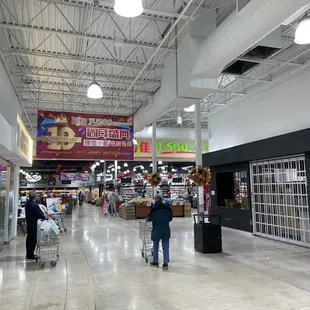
[(198, 134), (154, 157), (115, 171), (15, 205), (200, 197)]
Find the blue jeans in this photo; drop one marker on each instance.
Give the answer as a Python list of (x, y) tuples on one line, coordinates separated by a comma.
[(165, 244)]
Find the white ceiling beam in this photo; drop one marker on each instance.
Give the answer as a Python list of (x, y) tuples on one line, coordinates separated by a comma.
[(107, 7), (36, 83), (72, 93), (79, 59), (78, 35), (46, 103), (29, 70)]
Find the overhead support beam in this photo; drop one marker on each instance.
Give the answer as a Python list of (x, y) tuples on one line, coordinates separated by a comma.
[(76, 75), (107, 7), (80, 59), (78, 35), (77, 86), (33, 104), (74, 94)]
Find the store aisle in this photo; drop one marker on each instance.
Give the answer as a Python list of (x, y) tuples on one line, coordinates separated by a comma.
[(101, 268)]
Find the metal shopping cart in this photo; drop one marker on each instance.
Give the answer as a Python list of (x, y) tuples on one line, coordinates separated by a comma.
[(48, 240), (59, 221), (145, 231)]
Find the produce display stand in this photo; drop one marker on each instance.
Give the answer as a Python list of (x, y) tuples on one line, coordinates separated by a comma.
[(137, 210)]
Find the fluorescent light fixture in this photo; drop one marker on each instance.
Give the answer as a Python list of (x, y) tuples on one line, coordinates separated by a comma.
[(111, 166), (94, 91), (160, 162), (108, 171), (125, 165), (119, 167), (151, 165), (142, 167), (102, 161), (302, 34), (190, 109), (134, 169), (135, 142), (150, 129), (125, 8), (97, 163), (174, 170), (113, 169)]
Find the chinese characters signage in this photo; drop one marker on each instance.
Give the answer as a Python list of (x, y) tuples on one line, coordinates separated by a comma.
[(167, 150), (84, 136)]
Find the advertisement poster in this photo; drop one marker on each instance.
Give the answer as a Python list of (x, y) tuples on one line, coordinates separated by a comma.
[(177, 150), (62, 135)]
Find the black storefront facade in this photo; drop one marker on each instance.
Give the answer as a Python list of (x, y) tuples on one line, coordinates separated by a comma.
[(262, 187)]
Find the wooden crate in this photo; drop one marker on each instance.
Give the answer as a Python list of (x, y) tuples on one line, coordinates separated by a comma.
[(187, 211)]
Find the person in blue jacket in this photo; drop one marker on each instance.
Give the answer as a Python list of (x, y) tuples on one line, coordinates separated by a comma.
[(161, 215), (33, 214)]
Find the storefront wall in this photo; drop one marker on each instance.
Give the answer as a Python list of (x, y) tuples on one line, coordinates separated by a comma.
[(278, 175)]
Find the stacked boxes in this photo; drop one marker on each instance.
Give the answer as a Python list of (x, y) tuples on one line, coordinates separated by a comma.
[(187, 210), (128, 211)]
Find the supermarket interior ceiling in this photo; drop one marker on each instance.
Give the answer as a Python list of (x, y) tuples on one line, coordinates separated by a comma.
[(53, 48)]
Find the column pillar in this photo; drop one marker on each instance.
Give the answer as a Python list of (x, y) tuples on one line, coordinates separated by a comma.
[(154, 157), (201, 202), (15, 205), (115, 171)]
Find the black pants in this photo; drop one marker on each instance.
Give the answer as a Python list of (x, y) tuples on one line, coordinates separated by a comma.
[(31, 242)]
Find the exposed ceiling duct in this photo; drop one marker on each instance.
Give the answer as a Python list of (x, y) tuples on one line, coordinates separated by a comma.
[(240, 31), (237, 33)]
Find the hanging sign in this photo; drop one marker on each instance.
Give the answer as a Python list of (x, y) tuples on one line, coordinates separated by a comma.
[(179, 150), (62, 135)]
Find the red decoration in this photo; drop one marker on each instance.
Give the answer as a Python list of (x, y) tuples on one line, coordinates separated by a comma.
[(58, 169), (169, 175), (145, 176)]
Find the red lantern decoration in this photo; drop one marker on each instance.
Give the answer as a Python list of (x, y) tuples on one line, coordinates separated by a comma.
[(169, 175), (58, 169), (145, 176)]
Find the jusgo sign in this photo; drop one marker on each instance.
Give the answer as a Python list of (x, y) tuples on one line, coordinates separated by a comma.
[(168, 150)]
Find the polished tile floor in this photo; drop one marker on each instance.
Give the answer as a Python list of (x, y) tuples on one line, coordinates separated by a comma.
[(101, 268)]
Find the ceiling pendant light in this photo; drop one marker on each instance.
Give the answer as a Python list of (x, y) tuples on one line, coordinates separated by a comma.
[(94, 90), (126, 8), (302, 34)]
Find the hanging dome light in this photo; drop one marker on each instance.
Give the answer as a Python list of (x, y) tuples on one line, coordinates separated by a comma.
[(127, 8), (94, 91), (125, 165), (302, 34)]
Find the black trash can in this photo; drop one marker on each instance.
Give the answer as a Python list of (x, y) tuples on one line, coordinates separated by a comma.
[(208, 233)]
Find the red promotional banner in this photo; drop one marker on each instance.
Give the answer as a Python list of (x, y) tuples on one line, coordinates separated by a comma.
[(62, 135)]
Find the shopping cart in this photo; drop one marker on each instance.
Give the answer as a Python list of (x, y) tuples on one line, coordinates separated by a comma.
[(145, 231), (59, 221), (48, 240)]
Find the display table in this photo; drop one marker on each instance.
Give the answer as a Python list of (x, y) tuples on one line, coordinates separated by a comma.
[(142, 211), (134, 210)]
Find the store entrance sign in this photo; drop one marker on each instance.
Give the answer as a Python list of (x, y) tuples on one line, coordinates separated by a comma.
[(165, 149)]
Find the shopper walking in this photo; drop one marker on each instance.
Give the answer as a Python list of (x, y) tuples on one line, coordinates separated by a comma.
[(161, 215), (33, 214)]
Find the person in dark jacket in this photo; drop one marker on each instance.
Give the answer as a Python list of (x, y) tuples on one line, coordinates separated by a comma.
[(161, 215), (33, 214)]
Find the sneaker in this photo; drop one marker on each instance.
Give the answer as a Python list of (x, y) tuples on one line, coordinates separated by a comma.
[(34, 257), (154, 264), (165, 266)]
